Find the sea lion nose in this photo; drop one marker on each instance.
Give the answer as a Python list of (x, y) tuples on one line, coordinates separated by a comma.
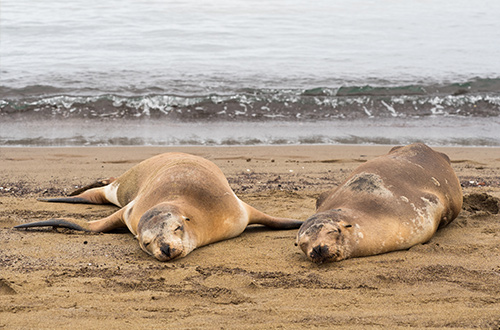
[(319, 251), (165, 249)]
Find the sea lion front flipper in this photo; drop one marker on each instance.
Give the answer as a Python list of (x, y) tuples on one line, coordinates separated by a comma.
[(323, 197), (74, 224), (103, 225), (257, 217)]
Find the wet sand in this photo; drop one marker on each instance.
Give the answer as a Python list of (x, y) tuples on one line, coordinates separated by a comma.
[(66, 279)]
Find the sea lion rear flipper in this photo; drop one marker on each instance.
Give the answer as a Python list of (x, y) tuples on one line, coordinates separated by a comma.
[(91, 196), (103, 225), (97, 184), (395, 148), (257, 217), (75, 200)]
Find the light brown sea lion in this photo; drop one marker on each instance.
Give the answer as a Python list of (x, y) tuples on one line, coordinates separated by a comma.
[(173, 203), (389, 203)]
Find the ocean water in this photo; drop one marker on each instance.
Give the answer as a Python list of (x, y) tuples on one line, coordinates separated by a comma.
[(185, 72)]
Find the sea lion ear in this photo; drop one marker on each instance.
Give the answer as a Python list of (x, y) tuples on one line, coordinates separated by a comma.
[(296, 241), (297, 238), (185, 218)]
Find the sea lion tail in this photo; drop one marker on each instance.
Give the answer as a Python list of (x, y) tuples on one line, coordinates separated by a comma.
[(62, 223)]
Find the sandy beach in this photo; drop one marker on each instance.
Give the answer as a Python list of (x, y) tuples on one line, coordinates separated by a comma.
[(57, 278)]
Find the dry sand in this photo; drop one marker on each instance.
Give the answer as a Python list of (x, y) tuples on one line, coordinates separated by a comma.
[(259, 280)]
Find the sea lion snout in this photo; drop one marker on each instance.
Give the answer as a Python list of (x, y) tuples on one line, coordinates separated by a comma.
[(169, 252), (319, 253), (165, 247), (166, 250)]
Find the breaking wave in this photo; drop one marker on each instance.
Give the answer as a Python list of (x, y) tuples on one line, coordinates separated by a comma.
[(477, 98)]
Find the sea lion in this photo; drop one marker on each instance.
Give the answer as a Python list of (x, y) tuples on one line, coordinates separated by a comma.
[(390, 203), (173, 203)]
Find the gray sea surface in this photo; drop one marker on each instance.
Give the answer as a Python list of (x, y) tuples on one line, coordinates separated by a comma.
[(249, 72)]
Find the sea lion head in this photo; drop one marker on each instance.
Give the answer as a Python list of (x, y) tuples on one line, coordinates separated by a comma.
[(324, 237), (163, 232)]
